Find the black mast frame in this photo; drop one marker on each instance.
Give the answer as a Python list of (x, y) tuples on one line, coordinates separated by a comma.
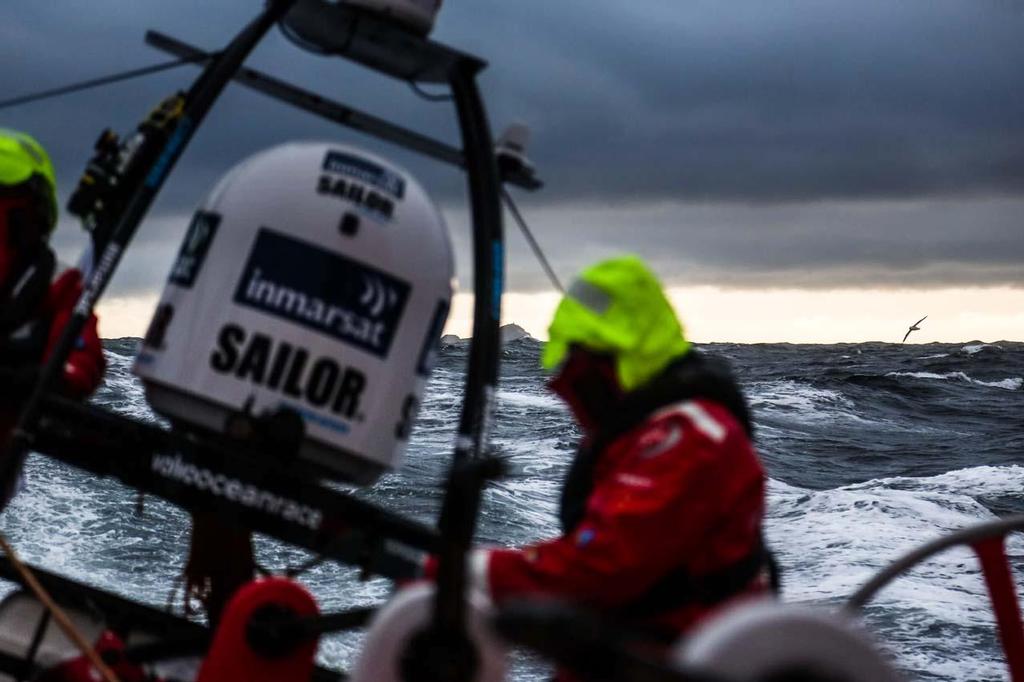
[(359, 533)]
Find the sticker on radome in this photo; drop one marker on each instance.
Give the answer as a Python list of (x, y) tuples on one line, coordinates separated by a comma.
[(324, 291)]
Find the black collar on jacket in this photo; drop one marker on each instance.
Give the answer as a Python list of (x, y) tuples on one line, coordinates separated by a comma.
[(23, 331), (694, 375), (26, 289)]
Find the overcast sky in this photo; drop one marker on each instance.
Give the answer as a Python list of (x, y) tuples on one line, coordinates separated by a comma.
[(798, 144)]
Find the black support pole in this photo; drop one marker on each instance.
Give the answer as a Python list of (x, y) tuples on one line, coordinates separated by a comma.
[(488, 265), (319, 105), (471, 466)]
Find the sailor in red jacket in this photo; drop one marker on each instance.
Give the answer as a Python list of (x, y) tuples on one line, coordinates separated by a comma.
[(662, 509), (35, 300)]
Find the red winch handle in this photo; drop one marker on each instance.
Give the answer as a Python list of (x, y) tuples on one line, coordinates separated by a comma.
[(234, 658)]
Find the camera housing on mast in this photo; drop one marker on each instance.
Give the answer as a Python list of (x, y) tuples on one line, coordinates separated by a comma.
[(327, 25)]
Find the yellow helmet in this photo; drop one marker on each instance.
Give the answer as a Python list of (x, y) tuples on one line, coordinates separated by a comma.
[(24, 160), (618, 307)]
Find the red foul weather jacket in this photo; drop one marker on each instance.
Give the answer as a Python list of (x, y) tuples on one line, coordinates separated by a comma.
[(29, 342), (668, 511)]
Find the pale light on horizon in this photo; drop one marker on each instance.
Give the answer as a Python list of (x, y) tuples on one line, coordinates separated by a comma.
[(713, 314), (741, 315), (121, 316)]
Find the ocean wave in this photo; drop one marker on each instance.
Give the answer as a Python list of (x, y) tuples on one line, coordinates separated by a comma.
[(830, 542), (801, 402), (121, 390), (514, 507), (974, 348), (69, 522), (543, 401), (127, 346), (1009, 384)]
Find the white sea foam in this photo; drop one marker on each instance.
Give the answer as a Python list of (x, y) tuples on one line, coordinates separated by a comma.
[(973, 348), (527, 506), (544, 401), (934, 357), (121, 390), (1009, 384), (68, 522), (928, 375), (832, 541), (802, 403)]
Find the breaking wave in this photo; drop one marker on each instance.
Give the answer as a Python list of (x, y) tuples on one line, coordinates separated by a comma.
[(1010, 384), (973, 348), (832, 541)]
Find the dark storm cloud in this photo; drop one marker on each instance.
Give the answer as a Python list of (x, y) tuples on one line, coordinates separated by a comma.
[(742, 100), (735, 118), (776, 101), (887, 243)]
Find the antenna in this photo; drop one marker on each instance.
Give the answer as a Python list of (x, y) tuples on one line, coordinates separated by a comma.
[(510, 152), (516, 168)]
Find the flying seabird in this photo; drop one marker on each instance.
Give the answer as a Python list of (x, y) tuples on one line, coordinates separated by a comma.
[(913, 328)]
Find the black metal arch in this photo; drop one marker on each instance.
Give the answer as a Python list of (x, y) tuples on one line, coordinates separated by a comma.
[(373, 44), (375, 539)]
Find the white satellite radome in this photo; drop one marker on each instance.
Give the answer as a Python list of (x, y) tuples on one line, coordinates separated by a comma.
[(768, 639), (315, 278)]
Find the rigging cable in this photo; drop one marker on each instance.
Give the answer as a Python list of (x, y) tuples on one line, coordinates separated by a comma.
[(61, 618), (165, 66), (514, 210), (97, 82)]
